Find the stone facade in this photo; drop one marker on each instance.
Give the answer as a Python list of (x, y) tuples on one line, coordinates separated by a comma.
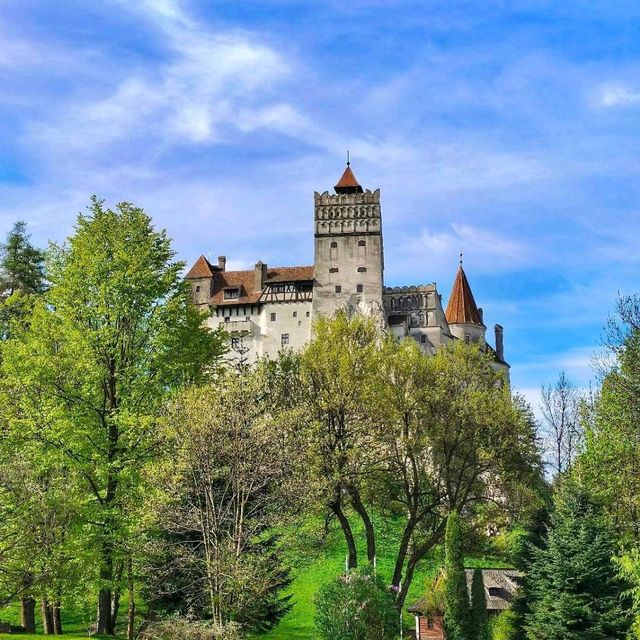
[(267, 309)]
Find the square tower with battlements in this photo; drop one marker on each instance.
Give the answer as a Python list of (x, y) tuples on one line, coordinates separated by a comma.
[(348, 262)]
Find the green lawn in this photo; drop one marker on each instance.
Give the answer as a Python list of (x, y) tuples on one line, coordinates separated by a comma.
[(316, 560)]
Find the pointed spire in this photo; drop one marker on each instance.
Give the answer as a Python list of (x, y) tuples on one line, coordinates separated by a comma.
[(348, 183), (462, 307)]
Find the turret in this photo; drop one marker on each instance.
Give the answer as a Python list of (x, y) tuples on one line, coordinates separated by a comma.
[(464, 318)]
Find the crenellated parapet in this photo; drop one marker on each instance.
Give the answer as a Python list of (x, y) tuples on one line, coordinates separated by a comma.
[(347, 213)]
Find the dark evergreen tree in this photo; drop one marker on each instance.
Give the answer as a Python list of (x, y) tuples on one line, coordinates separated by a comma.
[(574, 585), (479, 619), (456, 597), (21, 264)]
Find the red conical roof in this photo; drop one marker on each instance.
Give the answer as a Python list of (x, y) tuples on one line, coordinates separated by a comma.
[(462, 307), (348, 182)]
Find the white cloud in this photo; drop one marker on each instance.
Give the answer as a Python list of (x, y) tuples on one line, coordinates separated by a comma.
[(617, 95)]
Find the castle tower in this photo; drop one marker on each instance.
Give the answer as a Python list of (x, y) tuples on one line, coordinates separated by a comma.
[(348, 263), (464, 317)]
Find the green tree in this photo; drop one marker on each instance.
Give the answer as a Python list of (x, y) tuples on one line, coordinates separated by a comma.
[(21, 264), (114, 335), (222, 485), (457, 614), (575, 587), (479, 623), (387, 427), (356, 606)]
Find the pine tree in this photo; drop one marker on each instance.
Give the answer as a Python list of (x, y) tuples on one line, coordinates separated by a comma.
[(479, 619), (456, 597), (575, 587), (21, 264)]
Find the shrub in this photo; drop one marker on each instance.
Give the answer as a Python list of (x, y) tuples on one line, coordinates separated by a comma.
[(356, 606), (183, 629)]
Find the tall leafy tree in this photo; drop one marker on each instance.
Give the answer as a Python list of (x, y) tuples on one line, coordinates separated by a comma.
[(113, 336), (222, 486), (576, 590), (457, 613), (479, 622)]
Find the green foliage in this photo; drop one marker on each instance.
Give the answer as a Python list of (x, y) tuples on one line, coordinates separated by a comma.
[(221, 486), (479, 623), (504, 626), (457, 613), (629, 565), (84, 383), (356, 606), (574, 584), (21, 264)]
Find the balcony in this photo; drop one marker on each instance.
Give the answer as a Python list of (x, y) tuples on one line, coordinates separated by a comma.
[(239, 327)]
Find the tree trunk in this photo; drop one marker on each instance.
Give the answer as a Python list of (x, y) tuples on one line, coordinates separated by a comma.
[(336, 507), (28, 614), (47, 617), (104, 625), (57, 618), (115, 607), (131, 614), (361, 510)]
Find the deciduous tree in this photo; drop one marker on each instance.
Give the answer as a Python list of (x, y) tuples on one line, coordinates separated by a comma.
[(112, 338)]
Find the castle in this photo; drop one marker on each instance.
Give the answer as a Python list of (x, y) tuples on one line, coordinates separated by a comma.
[(267, 309)]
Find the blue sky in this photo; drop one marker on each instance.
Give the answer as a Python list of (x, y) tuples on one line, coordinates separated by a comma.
[(507, 130)]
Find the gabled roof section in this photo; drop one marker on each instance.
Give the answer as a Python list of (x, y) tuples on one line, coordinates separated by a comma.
[(462, 307), (348, 183), (245, 281), (202, 268)]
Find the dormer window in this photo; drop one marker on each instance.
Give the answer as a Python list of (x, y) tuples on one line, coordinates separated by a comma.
[(494, 592), (231, 293)]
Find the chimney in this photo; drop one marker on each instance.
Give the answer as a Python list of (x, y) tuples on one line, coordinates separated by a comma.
[(222, 262), (481, 315), (499, 342), (260, 275)]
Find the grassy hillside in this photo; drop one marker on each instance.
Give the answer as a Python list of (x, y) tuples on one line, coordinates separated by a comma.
[(316, 559)]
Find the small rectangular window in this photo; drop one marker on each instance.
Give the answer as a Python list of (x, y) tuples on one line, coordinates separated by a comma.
[(235, 343), (227, 318), (273, 317), (284, 339), (197, 288), (362, 269), (338, 289), (308, 314), (359, 288), (333, 270), (295, 314), (423, 338), (231, 294), (362, 243)]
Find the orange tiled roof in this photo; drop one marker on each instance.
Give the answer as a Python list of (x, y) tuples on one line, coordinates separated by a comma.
[(245, 281), (202, 268), (348, 179), (462, 307)]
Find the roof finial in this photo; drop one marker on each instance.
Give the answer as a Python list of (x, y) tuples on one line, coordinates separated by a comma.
[(461, 258), (348, 160)]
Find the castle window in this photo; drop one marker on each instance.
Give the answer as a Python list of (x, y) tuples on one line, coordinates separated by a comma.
[(338, 289), (295, 314), (198, 289), (235, 343), (273, 317), (308, 314), (359, 288), (284, 339), (334, 245), (362, 243), (467, 338), (247, 318), (423, 338), (231, 293), (227, 319), (362, 269), (333, 270)]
